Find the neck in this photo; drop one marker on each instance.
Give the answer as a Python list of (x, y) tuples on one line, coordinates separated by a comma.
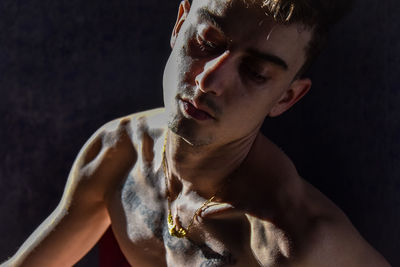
[(203, 169)]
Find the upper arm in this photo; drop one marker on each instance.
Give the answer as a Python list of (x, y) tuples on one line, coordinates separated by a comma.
[(81, 217), (339, 244), (327, 243)]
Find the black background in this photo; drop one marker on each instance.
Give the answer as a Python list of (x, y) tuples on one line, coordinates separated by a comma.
[(69, 66)]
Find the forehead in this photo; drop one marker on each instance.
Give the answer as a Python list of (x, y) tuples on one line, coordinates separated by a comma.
[(247, 24)]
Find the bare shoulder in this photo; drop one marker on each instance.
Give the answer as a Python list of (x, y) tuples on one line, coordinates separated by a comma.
[(124, 129), (310, 232), (151, 123), (111, 152), (293, 223), (132, 123), (332, 240), (105, 159)]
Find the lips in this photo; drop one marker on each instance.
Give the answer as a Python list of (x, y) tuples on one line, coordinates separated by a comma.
[(194, 112)]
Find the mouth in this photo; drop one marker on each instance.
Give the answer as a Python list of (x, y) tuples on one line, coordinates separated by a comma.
[(195, 112)]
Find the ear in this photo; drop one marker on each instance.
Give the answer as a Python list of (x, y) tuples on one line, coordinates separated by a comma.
[(298, 88), (184, 8)]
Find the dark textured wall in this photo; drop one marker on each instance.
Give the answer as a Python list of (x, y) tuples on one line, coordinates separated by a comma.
[(67, 67)]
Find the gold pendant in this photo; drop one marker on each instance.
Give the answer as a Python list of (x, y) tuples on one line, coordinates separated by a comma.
[(180, 233)]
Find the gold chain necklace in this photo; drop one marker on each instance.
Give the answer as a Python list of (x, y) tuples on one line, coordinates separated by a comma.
[(173, 229)]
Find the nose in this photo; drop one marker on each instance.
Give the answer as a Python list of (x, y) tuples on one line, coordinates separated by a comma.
[(212, 79)]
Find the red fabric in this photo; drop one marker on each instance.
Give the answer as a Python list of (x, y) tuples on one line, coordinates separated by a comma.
[(110, 255)]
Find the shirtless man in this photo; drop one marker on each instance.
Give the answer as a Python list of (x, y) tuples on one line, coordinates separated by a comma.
[(196, 183)]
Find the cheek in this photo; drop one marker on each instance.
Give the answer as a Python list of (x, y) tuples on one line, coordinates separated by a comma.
[(187, 68), (176, 68), (256, 106), (170, 80)]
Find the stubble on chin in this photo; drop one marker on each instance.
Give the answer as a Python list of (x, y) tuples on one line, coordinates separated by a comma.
[(187, 130)]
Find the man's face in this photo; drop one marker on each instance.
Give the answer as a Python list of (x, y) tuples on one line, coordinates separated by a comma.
[(230, 67)]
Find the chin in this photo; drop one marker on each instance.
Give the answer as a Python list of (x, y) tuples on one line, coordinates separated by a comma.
[(189, 131)]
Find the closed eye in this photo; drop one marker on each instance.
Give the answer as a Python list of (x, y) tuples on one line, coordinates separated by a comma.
[(251, 73), (204, 44)]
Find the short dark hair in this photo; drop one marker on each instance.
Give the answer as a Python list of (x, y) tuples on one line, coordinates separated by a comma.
[(316, 15)]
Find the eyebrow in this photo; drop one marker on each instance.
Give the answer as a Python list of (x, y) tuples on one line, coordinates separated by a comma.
[(268, 58), (206, 15)]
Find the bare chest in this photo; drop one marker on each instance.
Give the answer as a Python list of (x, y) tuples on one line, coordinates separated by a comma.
[(138, 213)]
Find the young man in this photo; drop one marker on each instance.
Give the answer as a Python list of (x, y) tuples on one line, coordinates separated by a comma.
[(196, 183)]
